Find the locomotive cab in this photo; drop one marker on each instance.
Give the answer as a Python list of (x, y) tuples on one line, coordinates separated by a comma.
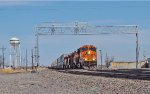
[(88, 55)]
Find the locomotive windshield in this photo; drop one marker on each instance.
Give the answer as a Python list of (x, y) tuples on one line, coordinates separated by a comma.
[(84, 49), (92, 48)]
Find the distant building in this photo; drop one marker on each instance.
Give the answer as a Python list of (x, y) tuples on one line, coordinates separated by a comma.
[(127, 65), (148, 61)]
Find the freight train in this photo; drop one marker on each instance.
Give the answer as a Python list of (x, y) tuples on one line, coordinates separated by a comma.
[(84, 57)]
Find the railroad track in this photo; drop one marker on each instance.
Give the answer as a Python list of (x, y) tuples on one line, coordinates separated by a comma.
[(141, 74)]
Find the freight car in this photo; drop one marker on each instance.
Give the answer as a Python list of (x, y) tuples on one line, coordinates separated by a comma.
[(85, 56), (59, 63)]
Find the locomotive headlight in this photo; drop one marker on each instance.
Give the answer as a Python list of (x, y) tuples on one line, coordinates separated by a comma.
[(94, 58), (89, 52)]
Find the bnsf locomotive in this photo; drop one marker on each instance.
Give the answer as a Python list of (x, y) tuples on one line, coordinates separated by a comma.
[(85, 56)]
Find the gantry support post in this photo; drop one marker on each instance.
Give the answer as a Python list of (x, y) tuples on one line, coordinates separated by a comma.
[(137, 49), (37, 50)]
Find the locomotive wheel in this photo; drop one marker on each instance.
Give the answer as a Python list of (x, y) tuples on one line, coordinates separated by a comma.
[(74, 66), (78, 65)]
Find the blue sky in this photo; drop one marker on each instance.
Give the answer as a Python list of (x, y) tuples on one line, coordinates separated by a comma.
[(19, 18)]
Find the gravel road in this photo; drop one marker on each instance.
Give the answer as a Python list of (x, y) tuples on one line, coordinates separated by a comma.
[(54, 82)]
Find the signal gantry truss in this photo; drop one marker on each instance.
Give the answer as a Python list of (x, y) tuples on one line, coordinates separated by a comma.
[(82, 28)]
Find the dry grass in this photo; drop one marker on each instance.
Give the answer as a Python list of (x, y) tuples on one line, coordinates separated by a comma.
[(6, 71), (10, 71)]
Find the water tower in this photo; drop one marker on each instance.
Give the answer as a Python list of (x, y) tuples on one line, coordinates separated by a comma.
[(15, 52)]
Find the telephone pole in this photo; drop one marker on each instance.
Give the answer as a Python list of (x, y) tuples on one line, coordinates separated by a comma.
[(26, 60), (32, 58), (3, 49)]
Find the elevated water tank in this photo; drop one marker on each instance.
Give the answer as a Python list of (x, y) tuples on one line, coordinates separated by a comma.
[(15, 52), (14, 41)]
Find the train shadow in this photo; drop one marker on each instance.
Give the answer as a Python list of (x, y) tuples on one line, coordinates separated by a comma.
[(141, 74)]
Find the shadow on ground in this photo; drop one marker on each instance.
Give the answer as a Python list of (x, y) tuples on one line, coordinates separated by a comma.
[(141, 74)]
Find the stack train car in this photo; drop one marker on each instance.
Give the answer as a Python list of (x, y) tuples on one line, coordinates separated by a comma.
[(84, 57)]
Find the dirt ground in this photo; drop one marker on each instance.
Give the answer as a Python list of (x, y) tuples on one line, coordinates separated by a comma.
[(50, 81)]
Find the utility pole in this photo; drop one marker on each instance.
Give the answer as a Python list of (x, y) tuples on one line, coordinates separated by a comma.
[(3, 49), (26, 60), (32, 58), (101, 57)]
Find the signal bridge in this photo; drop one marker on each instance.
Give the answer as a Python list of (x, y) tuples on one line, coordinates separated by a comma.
[(77, 28), (82, 28)]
